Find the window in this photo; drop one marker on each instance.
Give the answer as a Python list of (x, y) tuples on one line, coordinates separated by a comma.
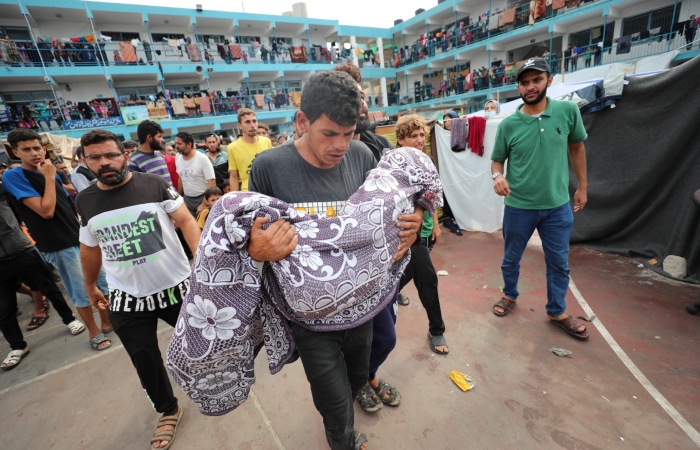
[(16, 33), (292, 85), (184, 88), (160, 37), (592, 36), (138, 91), (286, 40), (259, 87), (211, 38), (121, 36), (662, 17), (248, 39), (28, 96)]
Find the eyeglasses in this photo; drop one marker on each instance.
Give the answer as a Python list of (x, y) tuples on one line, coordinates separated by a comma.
[(112, 156)]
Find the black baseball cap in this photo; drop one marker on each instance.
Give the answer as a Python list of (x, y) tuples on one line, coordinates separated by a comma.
[(534, 64)]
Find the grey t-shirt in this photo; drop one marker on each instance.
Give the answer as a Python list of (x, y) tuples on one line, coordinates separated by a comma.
[(282, 173)]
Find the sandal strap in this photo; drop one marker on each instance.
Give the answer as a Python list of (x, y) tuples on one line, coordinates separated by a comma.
[(572, 324)]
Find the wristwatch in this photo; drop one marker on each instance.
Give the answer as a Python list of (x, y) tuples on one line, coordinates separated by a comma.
[(493, 176)]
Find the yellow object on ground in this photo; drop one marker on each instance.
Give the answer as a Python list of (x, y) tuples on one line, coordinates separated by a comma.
[(462, 380)]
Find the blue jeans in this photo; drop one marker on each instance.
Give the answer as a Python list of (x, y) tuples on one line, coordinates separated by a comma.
[(554, 227), (67, 262)]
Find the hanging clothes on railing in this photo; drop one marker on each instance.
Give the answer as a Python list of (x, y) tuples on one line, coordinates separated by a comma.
[(193, 53), (128, 52), (236, 51), (558, 4), (178, 107), (508, 17), (189, 106), (205, 105)]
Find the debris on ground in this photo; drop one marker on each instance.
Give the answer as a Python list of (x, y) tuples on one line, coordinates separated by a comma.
[(532, 309), (462, 380), (500, 288), (485, 286), (640, 265), (648, 283), (585, 380), (657, 337), (561, 352), (621, 438), (605, 398), (488, 298), (587, 318), (442, 273), (634, 396), (653, 262), (544, 392)]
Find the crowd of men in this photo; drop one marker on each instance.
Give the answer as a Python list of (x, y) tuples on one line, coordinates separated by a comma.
[(124, 244)]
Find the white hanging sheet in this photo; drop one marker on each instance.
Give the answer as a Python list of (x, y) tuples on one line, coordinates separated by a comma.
[(467, 184)]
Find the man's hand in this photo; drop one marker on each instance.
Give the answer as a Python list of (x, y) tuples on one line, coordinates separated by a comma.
[(580, 199), (500, 186), (273, 244), (47, 169), (98, 299), (410, 226), (436, 232)]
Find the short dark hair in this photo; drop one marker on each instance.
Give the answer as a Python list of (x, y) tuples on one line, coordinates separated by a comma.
[(148, 128), (334, 94), (211, 135), (20, 135), (186, 137), (98, 137), (130, 144), (212, 190), (245, 112), (351, 70), (295, 116), (264, 126), (79, 152)]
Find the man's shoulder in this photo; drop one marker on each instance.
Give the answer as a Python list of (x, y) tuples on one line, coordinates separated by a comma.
[(13, 176), (276, 154)]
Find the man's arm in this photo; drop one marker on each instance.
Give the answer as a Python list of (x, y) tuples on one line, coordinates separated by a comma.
[(70, 189), (91, 260), (500, 184), (190, 230), (179, 186), (577, 153), (233, 180), (436, 228), (44, 205)]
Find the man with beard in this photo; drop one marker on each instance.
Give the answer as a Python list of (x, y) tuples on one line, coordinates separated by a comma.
[(245, 149), (194, 171), (148, 158), (126, 225), (363, 132), (45, 206), (535, 141)]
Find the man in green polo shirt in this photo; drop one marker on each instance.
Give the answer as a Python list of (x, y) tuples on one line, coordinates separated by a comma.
[(535, 141)]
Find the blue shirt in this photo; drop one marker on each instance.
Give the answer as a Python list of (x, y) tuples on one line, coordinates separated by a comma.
[(17, 184)]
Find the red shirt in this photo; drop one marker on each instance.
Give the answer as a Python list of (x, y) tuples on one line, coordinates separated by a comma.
[(170, 162)]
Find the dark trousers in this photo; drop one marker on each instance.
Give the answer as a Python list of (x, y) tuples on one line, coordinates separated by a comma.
[(31, 269), (336, 364), (383, 336), (137, 331), (421, 270)]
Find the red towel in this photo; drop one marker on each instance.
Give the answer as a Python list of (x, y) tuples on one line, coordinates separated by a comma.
[(477, 126)]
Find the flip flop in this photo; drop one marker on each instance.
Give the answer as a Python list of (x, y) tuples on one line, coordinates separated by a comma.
[(360, 439), (108, 330), (506, 304), (404, 300), (435, 341), (36, 322), (97, 339), (15, 357), (570, 325)]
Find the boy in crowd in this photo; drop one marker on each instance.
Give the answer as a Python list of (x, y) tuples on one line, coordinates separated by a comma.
[(211, 195), (37, 194)]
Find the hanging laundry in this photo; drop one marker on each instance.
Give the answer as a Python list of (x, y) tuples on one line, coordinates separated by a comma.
[(178, 107), (458, 135), (173, 43), (558, 4), (477, 127), (296, 98), (259, 100), (193, 53), (624, 44), (128, 52), (205, 105), (236, 51), (508, 16), (189, 106)]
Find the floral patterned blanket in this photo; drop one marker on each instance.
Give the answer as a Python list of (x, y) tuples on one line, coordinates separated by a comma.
[(339, 276)]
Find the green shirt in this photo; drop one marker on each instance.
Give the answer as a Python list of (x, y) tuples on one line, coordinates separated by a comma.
[(537, 152), (427, 229)]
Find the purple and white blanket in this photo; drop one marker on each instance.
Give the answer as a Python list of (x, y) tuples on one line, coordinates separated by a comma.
[(339, 276)]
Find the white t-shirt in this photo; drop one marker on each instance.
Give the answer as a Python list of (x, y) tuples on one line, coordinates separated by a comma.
[(194, 173), (140, 249)]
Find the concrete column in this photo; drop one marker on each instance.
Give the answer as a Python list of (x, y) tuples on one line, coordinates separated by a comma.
[(353, 45), (618, 29), (380, 49), (382, 87)]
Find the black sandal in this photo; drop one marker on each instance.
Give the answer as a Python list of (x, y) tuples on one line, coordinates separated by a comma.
[(36, 322), (506, 304)]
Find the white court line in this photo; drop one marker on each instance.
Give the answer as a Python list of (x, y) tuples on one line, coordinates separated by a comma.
[(660, 399)]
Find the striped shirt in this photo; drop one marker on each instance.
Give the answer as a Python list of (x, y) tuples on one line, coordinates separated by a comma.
[(149, 163)]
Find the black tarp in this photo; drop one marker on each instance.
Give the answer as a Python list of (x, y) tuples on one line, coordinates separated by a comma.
[(643, 168)]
